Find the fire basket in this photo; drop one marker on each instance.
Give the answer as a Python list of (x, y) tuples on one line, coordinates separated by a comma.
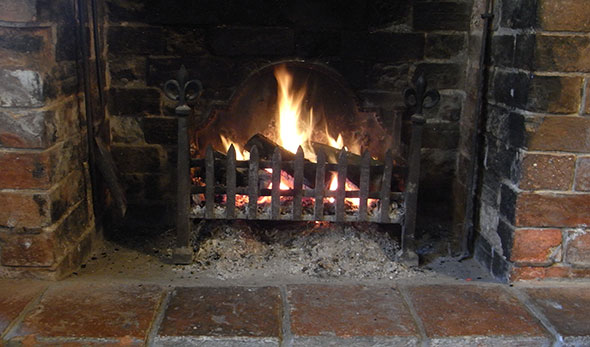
[(273, 183)]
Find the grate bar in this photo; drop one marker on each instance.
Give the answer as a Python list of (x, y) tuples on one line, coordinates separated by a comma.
[(341, 191), (209, 182), (298, 184), (364, 185), (230, 186), (386, 187), (253, 183), (320, 177), (276, 184)]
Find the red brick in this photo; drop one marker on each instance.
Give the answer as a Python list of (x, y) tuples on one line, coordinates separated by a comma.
[(564, 15), (94, 310), (562, 53), (568, 134), (583, 175), (539, 273), (348, 311), (461, 310), (540, 171), (223, 312), (578, 248), (552, 210), (21, 209), (568, 309), (18, 10), (536, 246), (27, 250), (29, 170), (14, 296)]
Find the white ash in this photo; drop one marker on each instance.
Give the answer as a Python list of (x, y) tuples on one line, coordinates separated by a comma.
[(356, 251)]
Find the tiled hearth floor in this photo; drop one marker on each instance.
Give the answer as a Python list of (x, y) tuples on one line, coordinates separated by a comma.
[(93, 312)]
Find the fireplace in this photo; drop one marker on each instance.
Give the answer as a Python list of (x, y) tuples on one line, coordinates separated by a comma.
[(504, 158)]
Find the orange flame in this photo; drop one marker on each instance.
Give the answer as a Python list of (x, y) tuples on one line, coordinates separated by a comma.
[(241, 154)]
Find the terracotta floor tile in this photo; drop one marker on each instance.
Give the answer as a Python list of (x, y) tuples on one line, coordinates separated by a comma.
[(463, 310), (568, 309), (94, 310), (14, 296), (225, 311), (348, 311)]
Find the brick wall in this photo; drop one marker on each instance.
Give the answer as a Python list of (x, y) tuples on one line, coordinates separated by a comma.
[(46, 217), (535, 198), (378, 46)]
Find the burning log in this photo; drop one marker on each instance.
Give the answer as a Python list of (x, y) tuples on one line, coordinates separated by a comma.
[(266, 148)]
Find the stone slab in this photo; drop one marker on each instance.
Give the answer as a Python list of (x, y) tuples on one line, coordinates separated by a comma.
[(458, 310), (568, 309), (14, 297), (349, 311), (94, 310), (223, 312)]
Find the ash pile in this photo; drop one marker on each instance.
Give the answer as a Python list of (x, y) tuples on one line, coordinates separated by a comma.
[(237, 249)]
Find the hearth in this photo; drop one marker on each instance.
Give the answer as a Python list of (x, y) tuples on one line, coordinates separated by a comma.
[(247, 159)]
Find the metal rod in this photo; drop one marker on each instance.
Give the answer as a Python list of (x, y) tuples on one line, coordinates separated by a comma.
[(253, 183), (276, 184), (341, 190), (298, 184), (411, 202), (364, 188), (320, 176), (473, 177), (230, 185)]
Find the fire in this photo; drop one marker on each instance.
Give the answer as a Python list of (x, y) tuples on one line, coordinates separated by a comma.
[(294, 122), (285, 184), (241, 154), (347, 186)]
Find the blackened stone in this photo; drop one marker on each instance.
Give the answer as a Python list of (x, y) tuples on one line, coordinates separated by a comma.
[(524, 51), (21, 40), (127, 70), (158, 187), (449, 108), (443, 46), (62, 79), (185, 41), (66, 47), (508, 127), (353, 71), (511, 88), (315, 44), (437, 169), (132, 102), (503, 160), (502, 50), (178, 12), (506, 233), (555, 94), (381, 13), (137, 158), (18, 10), (213, 72), (254, 12), (328, 14), (500, 267), (252, 41), (126, 130), (392, 77), (443, 15), (383, 46), (441, 135), (519, 14), (441, 76), (508, 203), (483, 252), (160, 130), (61, 11), (136, 40), (21, 88), (146, 214)]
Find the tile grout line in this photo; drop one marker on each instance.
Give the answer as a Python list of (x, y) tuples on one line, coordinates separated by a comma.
[(11, 329), (287, 337), (158, 317), (534, 310), (425, 341)]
